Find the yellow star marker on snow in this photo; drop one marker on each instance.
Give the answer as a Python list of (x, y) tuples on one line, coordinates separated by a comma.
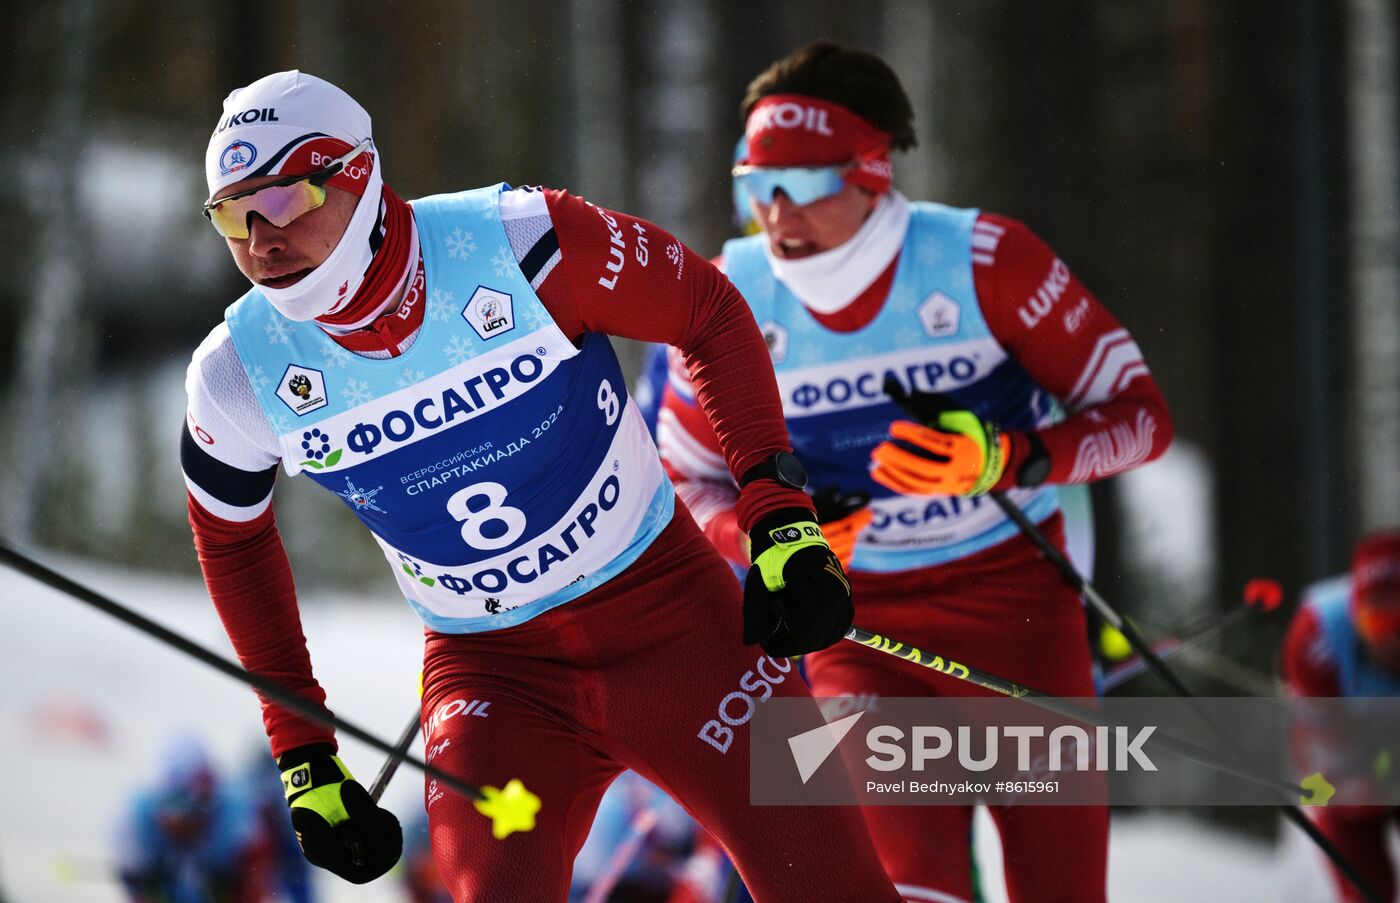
[(1319, 791), (510, 810)]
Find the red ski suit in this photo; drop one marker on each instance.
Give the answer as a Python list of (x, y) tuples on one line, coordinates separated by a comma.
[(1310, 667), (627, 675), (1002, 609)]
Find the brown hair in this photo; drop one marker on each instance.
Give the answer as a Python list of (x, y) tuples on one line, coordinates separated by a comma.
[(859, 81)]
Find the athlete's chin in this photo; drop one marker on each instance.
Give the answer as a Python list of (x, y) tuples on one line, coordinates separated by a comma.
[(287, 280)]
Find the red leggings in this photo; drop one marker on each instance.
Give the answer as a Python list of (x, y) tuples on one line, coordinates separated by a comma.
[(625, 677), (1008, 612), (1359, 833)]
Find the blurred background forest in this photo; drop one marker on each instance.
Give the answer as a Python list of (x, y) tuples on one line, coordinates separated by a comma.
[(1225, 175)]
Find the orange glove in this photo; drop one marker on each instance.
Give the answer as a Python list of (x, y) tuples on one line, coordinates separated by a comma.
[(841, 534), (842, 516), (959, 455)]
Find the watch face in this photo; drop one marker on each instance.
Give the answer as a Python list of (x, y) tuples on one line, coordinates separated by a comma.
[(1034, 472), (790, 470)]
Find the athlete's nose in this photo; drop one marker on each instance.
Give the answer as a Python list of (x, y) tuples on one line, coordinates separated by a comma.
[(264, 239), (783, 215)]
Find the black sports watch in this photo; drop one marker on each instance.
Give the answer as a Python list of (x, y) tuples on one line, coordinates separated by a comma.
[(783, 467), (1036, 467)]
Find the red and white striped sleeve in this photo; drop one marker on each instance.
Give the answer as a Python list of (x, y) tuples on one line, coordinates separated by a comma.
[(1070, 344)]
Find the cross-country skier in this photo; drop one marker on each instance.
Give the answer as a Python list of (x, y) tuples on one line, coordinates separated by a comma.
[(851, 285), (443, 367), (1345, 642)]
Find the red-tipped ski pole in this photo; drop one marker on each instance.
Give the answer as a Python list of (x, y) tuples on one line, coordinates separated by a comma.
[(1140, 645), (924, 407), (1260, 595), (642, 824)]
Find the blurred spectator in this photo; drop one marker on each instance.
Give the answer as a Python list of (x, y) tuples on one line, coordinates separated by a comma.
[(420, 873), (188, 839), (1345, 642), (280, 869), (638, 847)]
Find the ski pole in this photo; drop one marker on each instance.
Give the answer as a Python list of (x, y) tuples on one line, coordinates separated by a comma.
[(510, 809), (1260, 594), (1212, 664), (925, 408), (1123, 672), (1228, 671), (396, 755), (1313, 790), (626, 851), (1135, 639)]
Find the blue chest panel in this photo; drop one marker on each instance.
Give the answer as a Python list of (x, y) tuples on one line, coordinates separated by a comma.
[(1359, 676), (930, 335), (502, 470)]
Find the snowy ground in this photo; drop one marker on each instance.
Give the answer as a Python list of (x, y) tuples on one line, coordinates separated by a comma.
[(86, 702)]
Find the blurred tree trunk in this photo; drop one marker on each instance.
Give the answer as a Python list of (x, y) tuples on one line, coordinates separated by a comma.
[(1373, 385), (55, 341), (1257, 272), (598, 109), (1319, 328), (909, 34), (676, 172), (676, 105)]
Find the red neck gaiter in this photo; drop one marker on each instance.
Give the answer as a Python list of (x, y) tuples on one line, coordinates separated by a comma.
[(387, 332)]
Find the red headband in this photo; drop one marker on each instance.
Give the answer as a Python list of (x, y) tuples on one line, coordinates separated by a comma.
[(317, 153), (796, 130), (1375, 571)]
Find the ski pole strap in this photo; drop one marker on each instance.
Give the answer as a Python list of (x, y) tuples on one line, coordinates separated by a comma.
[(318, 772)]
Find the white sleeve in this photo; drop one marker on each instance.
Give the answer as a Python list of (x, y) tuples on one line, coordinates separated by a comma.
[(228, 452)]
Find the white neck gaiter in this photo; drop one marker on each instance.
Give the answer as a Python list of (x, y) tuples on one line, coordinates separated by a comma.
[(394, 297), (829, 281)]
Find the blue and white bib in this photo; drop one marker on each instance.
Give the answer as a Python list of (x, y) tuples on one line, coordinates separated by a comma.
[(502, 470), (1330, 600), (931, 336)]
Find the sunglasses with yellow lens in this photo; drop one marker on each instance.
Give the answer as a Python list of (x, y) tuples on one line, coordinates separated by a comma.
[(278, 202)]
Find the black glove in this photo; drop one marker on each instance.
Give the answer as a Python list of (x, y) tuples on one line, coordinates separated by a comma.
[(834, 503), (339, 827), (796, 597)]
